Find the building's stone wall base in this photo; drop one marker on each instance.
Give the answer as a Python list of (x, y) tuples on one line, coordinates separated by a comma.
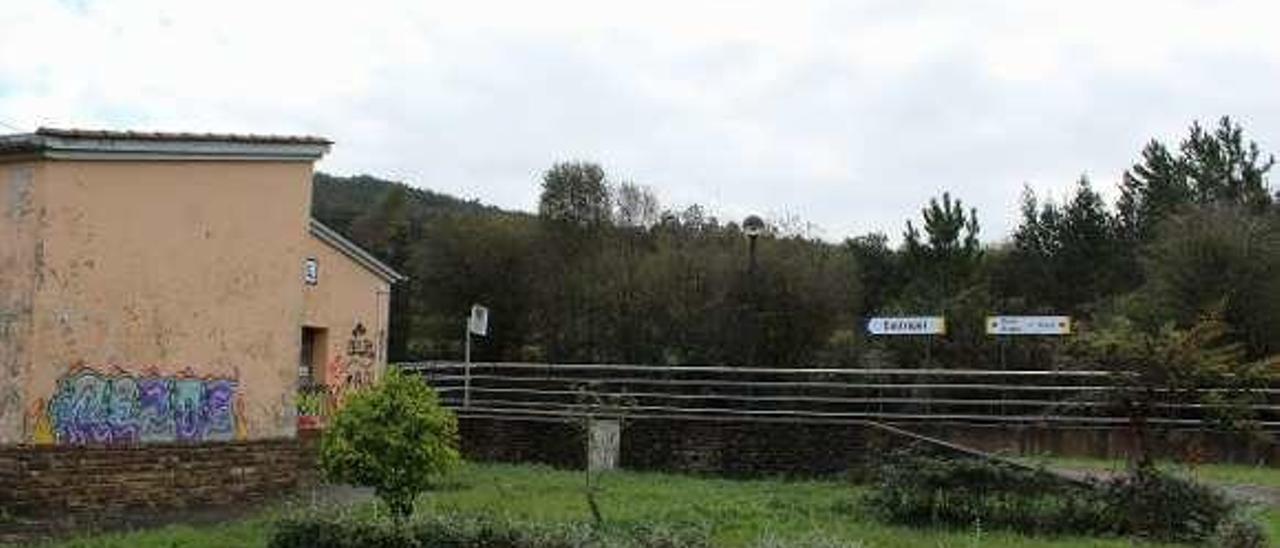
[(55, 482)]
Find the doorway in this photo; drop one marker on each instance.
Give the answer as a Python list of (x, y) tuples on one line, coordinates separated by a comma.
[(311, 360)]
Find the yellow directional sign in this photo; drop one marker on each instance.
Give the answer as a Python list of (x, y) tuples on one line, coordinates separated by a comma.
[(1028, 325)]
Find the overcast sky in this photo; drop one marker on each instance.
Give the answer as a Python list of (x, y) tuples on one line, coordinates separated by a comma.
[(849, 115)]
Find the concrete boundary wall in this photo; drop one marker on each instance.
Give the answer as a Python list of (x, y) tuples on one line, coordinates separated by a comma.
[(1196, 445), (745, 448), (727, 447)]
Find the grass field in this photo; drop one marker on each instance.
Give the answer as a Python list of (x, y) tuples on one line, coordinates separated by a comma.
[(738, 513)]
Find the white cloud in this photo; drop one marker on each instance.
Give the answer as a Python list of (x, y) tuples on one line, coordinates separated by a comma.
[(850, 115)]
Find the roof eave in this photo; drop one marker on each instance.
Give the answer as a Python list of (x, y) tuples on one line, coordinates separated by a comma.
[(355, 253), (88, 145)]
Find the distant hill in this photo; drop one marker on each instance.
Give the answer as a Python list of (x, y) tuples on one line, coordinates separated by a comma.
[(339, 201)]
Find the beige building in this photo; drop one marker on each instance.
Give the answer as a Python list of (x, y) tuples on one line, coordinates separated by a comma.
[(173, 287)]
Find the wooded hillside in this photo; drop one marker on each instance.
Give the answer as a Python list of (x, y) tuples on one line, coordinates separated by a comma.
[(604, 272)]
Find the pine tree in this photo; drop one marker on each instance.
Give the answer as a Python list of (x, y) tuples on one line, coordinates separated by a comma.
[(1151, 191), (1211, 168), (950, 256)]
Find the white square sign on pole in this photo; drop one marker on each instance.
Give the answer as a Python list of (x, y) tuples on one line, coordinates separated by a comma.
[(908, 325), (1028, 325), (479, 322)]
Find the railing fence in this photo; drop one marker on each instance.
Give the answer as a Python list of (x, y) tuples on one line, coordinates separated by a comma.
[(815, 394)]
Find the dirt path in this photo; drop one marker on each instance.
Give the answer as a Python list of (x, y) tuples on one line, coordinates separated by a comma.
[(1256, 494)]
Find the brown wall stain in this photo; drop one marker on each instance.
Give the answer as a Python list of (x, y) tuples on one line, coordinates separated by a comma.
[(19, 241)]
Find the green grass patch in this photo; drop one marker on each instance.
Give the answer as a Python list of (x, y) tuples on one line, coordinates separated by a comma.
[(737, 513)]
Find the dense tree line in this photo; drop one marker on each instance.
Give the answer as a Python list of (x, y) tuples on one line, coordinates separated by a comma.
[(605, 273)]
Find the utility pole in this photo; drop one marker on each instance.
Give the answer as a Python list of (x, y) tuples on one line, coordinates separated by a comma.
[(753, 226)]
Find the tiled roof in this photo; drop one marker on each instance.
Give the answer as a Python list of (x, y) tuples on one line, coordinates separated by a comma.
[(84, 144), (182, 136)]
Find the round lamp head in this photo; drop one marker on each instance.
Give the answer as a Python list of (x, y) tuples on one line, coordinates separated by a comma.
[(753, 226)]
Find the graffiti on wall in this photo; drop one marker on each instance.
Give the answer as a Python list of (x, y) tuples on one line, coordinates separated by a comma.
[(353, 369), (361, 356), (117, 407)]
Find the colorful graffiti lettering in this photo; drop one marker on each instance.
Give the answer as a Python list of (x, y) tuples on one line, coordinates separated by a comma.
[(115, 408), (343, 374)]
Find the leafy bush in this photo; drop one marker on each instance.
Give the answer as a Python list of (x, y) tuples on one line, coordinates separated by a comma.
[(932, 491), (1239, 531), (474, 531), (395, 438), (1163, 506), (926, 490)]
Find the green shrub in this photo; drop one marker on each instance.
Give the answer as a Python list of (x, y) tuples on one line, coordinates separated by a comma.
[(310, 403), (925, 490), (1159, 505), (474, 531), (934, 491), (1239, 531), (395, 438)]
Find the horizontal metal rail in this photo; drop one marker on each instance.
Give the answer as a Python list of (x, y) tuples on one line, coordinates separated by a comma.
[(998, 396), (649, 412), (419, 366), (818, 399), (602, 381), (763, 384)]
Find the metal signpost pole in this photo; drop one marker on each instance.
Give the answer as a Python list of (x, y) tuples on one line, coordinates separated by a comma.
[(913, 327), (753, 226), (477, 323), (466, 386), (929, 339), (1006, 328)]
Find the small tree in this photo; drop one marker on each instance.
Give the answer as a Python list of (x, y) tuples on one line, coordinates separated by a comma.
[(394, 437), (1154, 374)]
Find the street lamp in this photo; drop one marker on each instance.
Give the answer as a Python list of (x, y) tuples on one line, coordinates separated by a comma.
[(753, 227)]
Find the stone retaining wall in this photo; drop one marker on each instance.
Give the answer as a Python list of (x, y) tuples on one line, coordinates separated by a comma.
[(736, 447), (48, 481), (1106, 442)]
